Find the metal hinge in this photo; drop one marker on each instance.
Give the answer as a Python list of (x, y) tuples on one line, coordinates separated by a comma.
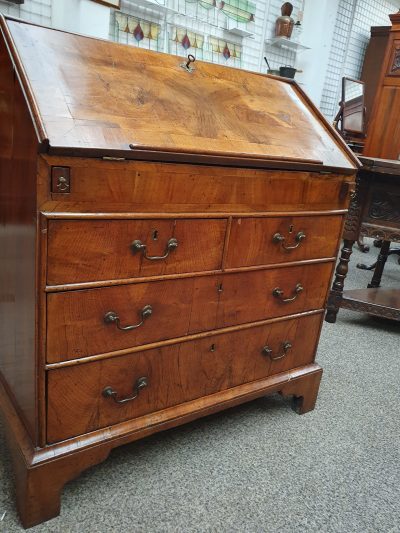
[(61, 180)]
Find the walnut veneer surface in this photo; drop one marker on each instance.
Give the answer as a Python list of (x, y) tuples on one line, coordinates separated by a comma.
[(161, 262)]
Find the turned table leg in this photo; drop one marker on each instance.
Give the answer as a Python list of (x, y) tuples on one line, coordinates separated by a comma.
[(351, 234), (335, 295), (380, 265)]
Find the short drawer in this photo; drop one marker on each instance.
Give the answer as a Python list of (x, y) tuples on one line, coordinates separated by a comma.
[(94, 321), (266, 241), (85, 397), (97, 250)]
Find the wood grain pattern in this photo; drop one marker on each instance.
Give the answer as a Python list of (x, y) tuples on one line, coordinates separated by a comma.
[(374, 57), (191, 164), (102, 249), (176, 374), (54, 465), (139, 187), (103, 95), (76, 326), (18, 246), (252, 241), (383, 135)]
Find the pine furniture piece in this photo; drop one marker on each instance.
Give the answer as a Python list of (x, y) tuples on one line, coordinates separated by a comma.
[(374, 212), (168, 231)]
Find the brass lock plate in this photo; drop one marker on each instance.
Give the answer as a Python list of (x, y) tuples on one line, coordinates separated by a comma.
[(61, 180)]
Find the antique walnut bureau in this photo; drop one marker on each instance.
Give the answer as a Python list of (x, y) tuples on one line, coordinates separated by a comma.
[(167, 235)]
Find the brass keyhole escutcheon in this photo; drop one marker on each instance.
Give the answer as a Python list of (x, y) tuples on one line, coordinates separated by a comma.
[(155, 235)]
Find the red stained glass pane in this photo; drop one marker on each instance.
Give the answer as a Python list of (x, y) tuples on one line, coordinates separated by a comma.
[(138, 32), (226, 53), (186, 42)]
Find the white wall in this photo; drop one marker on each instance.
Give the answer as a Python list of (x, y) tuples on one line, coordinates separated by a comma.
[(81, 16), (38, 11), (318, 27)]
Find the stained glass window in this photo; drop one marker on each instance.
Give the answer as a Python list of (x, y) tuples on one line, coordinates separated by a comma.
[(137, 31), (223, 51), (239, 10), (184, 42)]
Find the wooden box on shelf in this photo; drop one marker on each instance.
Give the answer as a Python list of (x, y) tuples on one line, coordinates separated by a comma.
[(168, 236)]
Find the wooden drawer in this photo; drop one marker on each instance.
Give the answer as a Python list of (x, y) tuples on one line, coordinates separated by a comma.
[(76, 319), (96, 250), (144, 187), (175, 374), (264, 241)]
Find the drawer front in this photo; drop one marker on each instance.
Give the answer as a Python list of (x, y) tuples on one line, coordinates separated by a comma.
[(265, 241), (174, 374), (97, 250), (80, 322), (142, 187)]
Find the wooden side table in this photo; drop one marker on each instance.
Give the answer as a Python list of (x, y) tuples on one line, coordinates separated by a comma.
[(374, 212)]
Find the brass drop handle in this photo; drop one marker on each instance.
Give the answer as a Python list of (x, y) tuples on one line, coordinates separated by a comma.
[(140, 384), (278, 293), (284, 350), (138, 246), (111, 317), (278, 238)]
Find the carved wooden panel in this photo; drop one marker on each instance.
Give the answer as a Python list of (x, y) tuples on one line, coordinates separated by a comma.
[(383, 207), (394, 64)]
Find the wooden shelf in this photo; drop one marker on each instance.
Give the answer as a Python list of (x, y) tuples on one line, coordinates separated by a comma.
[(288, 44), (380, 302)]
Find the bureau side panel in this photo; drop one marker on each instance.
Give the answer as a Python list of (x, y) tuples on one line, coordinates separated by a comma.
[(18, 147)]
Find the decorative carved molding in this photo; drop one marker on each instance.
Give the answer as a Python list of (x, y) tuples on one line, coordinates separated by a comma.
[(384, 206), (353, 218), (381, 234), (384, 312), (396, 61)]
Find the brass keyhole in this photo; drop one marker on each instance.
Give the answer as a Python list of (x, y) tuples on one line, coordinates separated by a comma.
[(213, 348), (291, 228), (220, 287), (155, 235)]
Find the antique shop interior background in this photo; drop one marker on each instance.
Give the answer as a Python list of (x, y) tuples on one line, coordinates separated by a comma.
[(329, 42)]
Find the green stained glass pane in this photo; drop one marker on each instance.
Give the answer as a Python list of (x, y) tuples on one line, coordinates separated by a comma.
[(239, 10), (207, 4)]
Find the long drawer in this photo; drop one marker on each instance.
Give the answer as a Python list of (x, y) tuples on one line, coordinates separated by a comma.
[(85, 397), (89, 322), (265, 241), (96, 250)]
